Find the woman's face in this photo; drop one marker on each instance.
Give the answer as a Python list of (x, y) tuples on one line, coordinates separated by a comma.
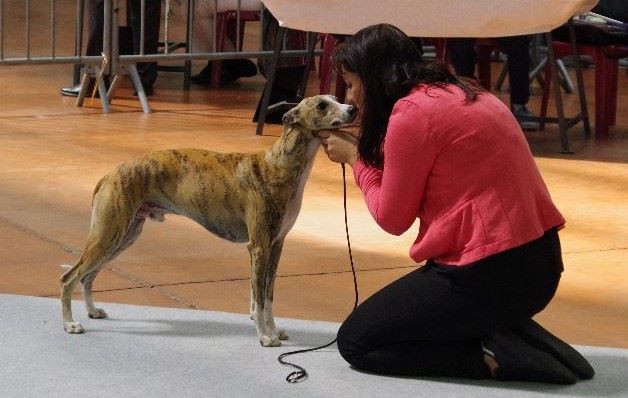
[(355, 90)]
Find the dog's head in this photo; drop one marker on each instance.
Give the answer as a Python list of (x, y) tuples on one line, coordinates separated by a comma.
[(320, 112)]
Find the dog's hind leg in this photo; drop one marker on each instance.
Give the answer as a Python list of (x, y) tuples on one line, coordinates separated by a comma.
[(68, 284), (108, 236), (86, 286), (91, 258), (133, 232)]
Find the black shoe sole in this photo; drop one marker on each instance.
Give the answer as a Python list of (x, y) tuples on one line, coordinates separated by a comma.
[(535, 335), (68, 93), (519, 361)]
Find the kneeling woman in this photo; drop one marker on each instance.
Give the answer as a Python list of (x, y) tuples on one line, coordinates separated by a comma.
[(439, 148)]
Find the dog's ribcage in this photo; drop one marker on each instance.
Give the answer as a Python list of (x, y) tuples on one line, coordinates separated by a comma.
[(216, 192)]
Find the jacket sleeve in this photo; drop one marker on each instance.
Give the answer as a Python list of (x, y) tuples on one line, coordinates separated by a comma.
[(394, 195)]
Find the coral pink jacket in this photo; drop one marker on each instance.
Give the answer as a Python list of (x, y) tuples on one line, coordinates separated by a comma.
[(465, 170)]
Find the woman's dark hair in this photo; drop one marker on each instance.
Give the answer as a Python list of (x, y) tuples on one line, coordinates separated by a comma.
[(389, 66)]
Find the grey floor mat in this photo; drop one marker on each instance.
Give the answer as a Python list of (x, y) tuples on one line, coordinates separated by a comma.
[(160, 352)]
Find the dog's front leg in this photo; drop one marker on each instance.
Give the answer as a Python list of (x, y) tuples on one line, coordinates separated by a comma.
[(273, 262), (275, 253), (259, 250), (252, 310)]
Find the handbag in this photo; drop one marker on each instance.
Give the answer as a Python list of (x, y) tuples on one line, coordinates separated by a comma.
[(594, 33)]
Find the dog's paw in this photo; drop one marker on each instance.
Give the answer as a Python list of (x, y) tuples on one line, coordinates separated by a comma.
[(97, 313), (281, 334), (267, 341), (73, 327)]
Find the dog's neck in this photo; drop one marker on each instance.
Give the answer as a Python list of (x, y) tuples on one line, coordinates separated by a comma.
[(293, 150)]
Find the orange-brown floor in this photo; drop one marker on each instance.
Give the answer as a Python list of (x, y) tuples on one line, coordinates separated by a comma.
[(53, 153)]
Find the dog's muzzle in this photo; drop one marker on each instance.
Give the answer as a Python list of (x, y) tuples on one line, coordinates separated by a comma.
[(349, 116)]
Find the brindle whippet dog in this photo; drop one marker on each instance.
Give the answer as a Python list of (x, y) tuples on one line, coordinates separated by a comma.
[(253, 198)]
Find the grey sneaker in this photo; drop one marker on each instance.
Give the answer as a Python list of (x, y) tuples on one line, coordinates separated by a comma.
[(522, 113)]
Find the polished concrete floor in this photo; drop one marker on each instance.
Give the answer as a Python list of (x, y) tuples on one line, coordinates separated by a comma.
[(52, 153)]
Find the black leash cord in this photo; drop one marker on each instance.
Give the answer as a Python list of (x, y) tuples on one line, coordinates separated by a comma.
[(300, 374)]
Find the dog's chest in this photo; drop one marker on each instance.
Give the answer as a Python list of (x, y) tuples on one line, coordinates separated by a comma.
[(293, 207)]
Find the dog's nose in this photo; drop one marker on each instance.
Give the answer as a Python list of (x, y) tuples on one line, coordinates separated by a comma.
[(352, 109)]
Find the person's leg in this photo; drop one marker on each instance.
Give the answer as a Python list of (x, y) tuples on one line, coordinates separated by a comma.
[(404, 329), (517, 50), (231, 69), (96, 14), (289, 72), (152, 13), (463, 56), (432, 321)]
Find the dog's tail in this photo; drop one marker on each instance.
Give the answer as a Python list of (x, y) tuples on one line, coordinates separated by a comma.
[(65, 266), (66, 272), (97, 187)]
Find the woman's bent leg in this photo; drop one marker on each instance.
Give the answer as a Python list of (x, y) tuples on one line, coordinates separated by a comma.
[(431, 322), (404, 330)]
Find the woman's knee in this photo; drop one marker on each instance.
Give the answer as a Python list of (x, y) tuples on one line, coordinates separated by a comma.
[(351, 342)]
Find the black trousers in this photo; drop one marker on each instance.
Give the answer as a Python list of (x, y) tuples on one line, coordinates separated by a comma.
[(431, 322), (517, 49), (128, 43)]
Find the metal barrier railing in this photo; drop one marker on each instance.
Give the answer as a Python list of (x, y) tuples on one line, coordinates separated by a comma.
[(111, 61), (52, 58)]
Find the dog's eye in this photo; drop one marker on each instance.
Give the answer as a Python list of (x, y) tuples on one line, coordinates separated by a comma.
[(322, 106)]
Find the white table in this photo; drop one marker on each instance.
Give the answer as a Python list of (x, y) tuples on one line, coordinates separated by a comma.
[(429, 18), (438, 18)]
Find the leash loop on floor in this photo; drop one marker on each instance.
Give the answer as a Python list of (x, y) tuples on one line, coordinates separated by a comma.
[(300, 374)]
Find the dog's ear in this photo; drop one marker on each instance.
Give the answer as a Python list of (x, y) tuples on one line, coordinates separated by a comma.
[(292, 116)]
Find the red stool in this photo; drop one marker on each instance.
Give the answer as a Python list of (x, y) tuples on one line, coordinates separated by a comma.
[(326, 68), (606, 64), (226, 27)]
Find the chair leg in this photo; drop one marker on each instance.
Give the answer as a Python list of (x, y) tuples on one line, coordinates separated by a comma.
[(547, 84), (535, 73), (216, 68), (565, 80), (612, 65), (270, 80), (562, 127), (605, 93), (584, 110)]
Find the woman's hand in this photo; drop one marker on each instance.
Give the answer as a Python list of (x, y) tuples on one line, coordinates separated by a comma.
[(341, 146)]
